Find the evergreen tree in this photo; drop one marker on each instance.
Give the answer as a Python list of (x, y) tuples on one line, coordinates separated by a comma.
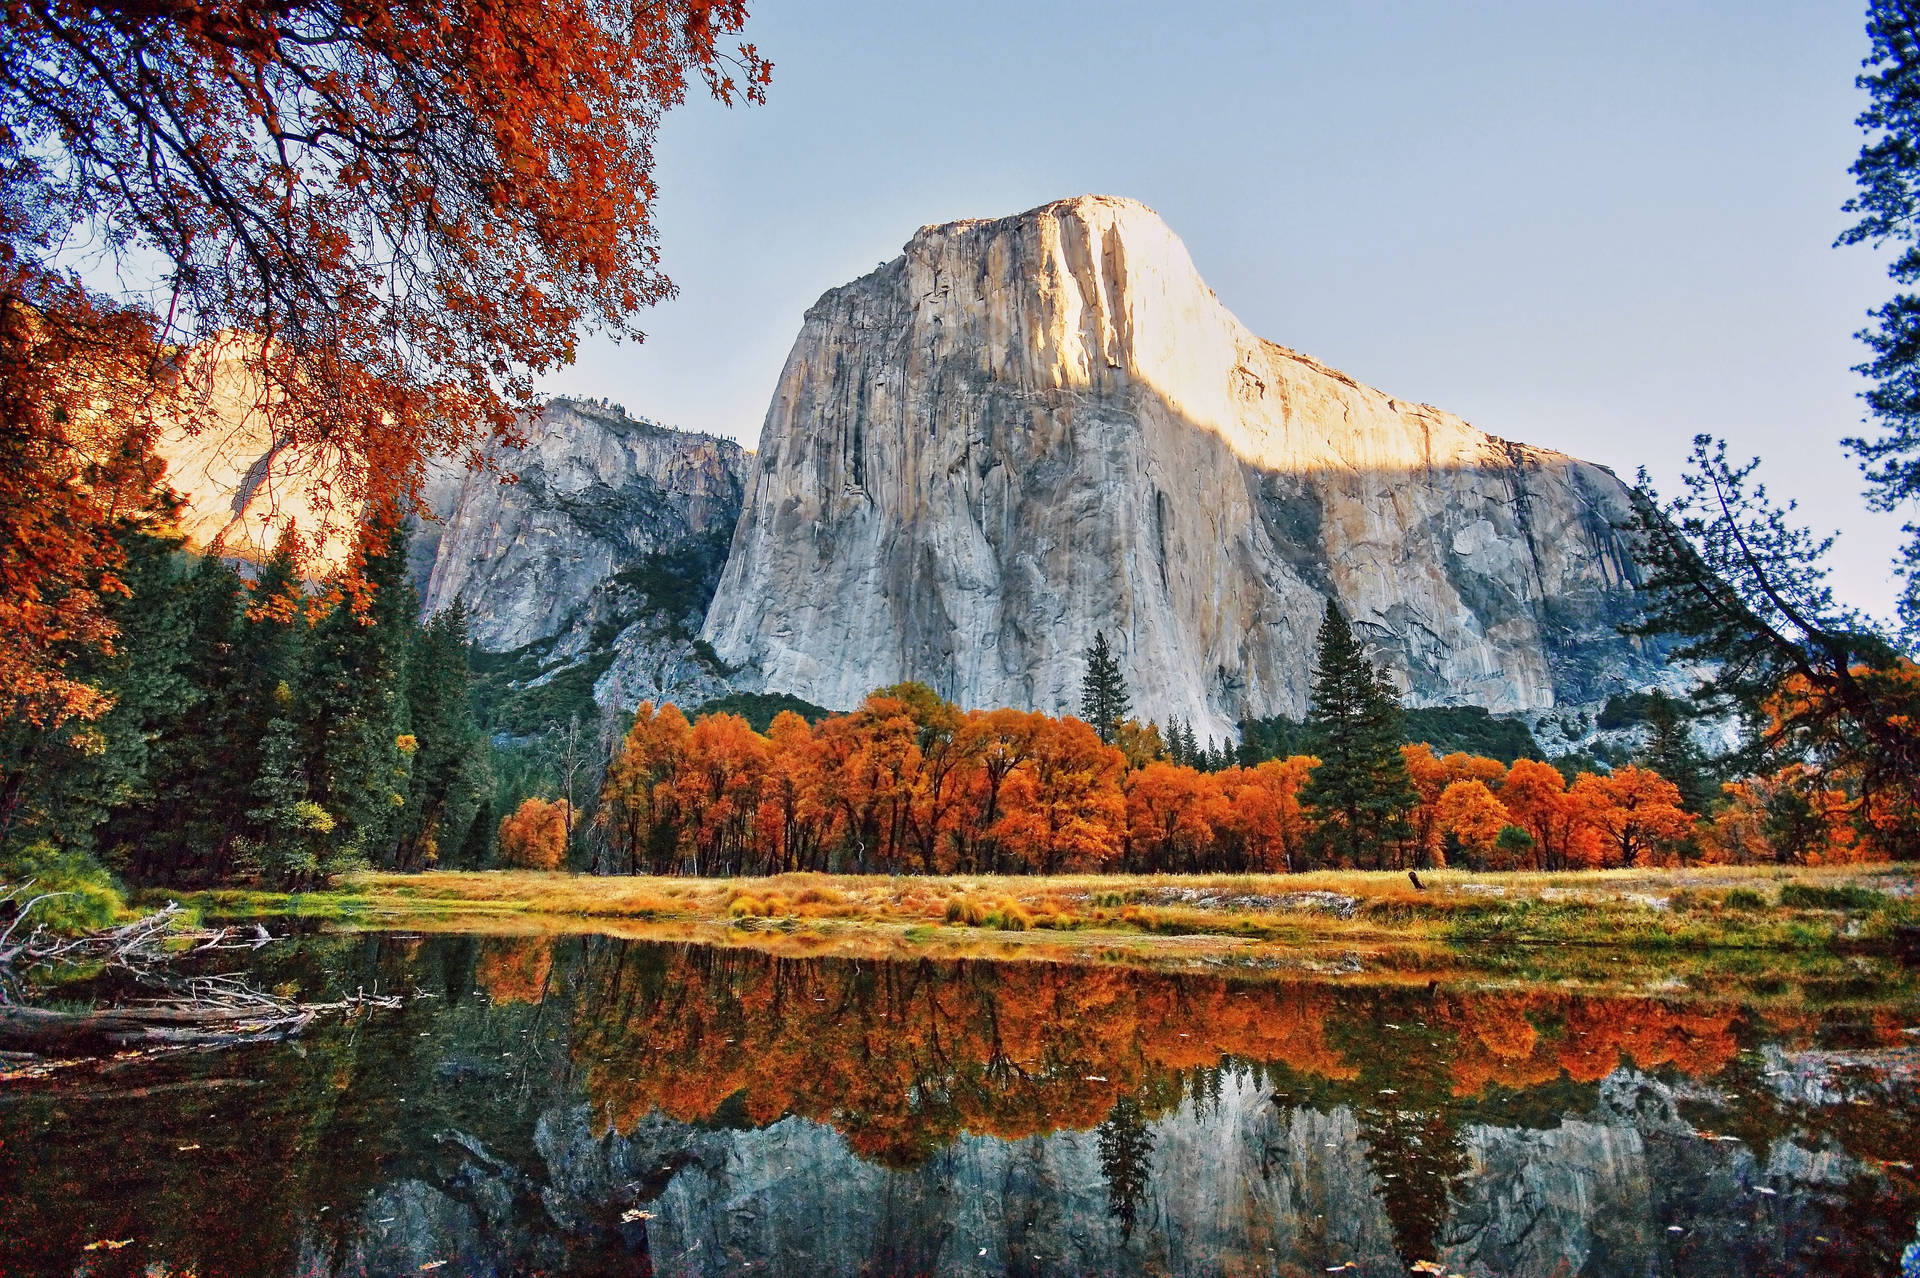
[(1359, 794), (60, 787), (293, 851), (1743, 588), (204, 763), (450, 781), (1888, 206), (1189, 748), (1104, 701), (1671, 752), (352, 710)]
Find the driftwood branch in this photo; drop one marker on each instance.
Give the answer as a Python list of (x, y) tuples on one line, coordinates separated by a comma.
[(189, 1011)]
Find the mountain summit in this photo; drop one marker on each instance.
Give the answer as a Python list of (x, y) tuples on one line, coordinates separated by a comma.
[(1027, 430)]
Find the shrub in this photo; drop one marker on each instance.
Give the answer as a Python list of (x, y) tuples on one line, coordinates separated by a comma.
[(965, 910), (1848, 896), (90, 900), (1744, 899)]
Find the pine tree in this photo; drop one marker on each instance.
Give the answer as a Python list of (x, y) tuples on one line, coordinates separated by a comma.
[(204, 763), (1888, 205), (450, 781), (1359, 794), (1104, 701), (352, 710), (1671, 752), (292, 851), (60, 787)]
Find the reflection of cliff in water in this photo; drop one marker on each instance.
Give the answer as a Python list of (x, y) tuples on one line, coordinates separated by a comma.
[(611, 1107)]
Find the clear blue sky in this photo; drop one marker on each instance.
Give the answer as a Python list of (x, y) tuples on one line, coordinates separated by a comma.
[(1600, 227)]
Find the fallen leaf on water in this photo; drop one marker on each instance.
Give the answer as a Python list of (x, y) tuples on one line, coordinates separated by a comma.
[(432, 1264), (632, 1214), (186, 1149), (1428, 1267), (107, 1244)]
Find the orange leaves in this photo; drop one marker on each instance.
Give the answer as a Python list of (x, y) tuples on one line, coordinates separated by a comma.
[(1064, 807), (412, 208), (1629, 817), (1468, 811), (904, 1057), (78, 418), (908, 783), (534, 835)]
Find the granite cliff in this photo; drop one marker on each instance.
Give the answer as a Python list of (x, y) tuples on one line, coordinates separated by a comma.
[(1026, 430), (603, 551)]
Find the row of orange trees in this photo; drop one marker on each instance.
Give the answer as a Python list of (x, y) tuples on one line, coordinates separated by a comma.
[(909, 783)]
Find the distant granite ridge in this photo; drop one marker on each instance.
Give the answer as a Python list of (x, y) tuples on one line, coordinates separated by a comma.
[(601, 555), (593, 489), (1028, 429)]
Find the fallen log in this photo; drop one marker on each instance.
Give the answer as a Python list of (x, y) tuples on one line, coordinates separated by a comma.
[(44, 1032)]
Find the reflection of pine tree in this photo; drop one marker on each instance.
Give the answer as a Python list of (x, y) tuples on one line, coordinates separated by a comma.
[(1412, 1130), (1416, 1156), (1126, 1159)]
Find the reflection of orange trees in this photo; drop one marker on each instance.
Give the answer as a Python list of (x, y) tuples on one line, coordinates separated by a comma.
[(515, 969), (904, 1057), (908, 783)]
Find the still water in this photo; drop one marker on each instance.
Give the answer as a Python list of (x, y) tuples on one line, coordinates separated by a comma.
[(602, 1106)]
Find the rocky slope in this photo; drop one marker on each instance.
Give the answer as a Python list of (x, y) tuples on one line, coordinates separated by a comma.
[(603, 551), (1026, 430)]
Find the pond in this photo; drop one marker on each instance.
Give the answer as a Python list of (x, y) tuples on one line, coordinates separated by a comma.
[(592, 1105)]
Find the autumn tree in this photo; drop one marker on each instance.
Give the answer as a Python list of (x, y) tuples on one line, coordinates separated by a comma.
[(1473, 818), (1064, 806), (1359, 794), (1636, 813), (412, 214), (1534, 795), (534, 835), (637, 805)]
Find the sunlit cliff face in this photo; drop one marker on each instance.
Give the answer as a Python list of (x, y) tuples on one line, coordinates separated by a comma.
[(246, 488), (1027, 430)]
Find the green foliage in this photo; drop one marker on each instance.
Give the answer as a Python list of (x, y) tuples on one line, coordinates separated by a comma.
[(1888, 206), (760, 708), (1671, 752), (1469, 730), (451, 782), (1847, 896), (1104, 700), (351, 711), (1359, 794), (89, 899), (1744, 899), (1624, 710), (1446, 729), (245, 742)]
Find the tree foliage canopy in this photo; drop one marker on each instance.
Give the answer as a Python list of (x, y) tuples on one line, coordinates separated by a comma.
[(410, 209)]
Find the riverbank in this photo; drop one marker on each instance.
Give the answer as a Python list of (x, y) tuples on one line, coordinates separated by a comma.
[(1534, 925)]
